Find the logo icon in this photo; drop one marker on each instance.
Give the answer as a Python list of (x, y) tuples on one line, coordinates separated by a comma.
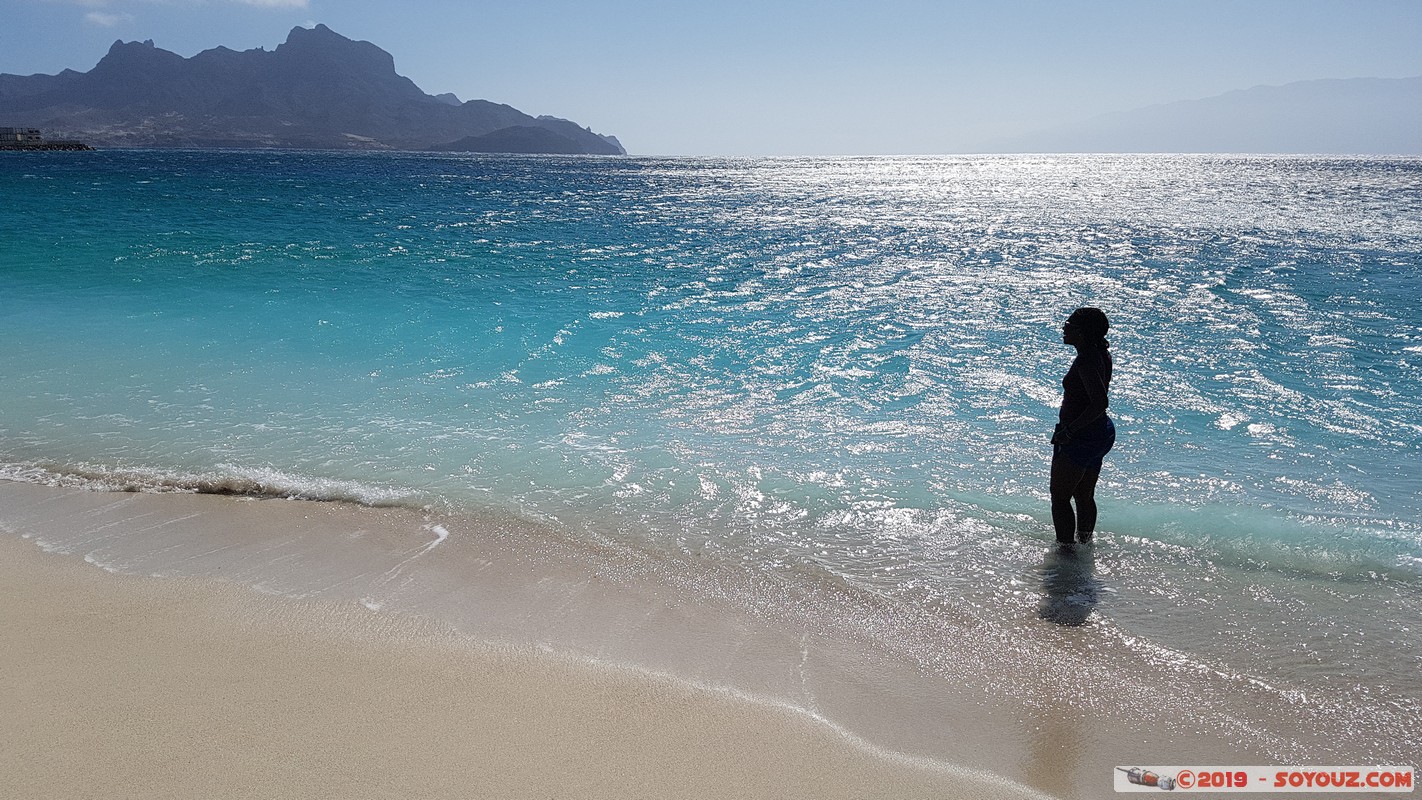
[(1143, 777)]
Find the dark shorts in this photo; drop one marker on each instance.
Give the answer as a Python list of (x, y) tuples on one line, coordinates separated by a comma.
[(1090, 445)]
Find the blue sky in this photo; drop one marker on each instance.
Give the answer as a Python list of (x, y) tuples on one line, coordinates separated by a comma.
[(782, 77)]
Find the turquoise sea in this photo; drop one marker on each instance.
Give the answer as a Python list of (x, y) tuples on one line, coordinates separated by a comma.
[(820, 369)]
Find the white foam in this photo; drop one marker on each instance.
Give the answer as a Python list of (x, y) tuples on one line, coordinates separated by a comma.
[(224, 479), (441, 533)]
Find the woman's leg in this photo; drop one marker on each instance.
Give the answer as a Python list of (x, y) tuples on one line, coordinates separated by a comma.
[(1066, 477), (1085, 496)]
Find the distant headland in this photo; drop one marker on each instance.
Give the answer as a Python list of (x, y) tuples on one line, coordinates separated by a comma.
[(318, 89), (33, 139)]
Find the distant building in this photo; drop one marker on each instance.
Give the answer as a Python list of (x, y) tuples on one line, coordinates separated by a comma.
[(20, 136), (31, 139)]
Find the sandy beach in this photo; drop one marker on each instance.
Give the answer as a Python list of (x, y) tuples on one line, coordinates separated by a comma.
[(126, 686), (199, 645)]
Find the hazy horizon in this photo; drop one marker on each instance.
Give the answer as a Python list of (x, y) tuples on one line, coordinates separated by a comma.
[(783, 78)]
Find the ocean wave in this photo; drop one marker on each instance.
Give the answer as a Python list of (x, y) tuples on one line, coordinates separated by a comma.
[(1357, 547), (231, 480)]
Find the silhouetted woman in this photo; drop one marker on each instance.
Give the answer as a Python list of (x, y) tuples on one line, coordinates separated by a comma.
[(1084, 434)]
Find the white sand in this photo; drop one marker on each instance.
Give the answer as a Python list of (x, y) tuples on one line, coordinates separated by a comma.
[(115, 686)]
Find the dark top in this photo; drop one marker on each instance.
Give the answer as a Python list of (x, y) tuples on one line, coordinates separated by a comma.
[(1091, 366)]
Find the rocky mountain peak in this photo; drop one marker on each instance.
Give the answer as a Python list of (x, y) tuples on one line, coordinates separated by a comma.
[(316, 89)]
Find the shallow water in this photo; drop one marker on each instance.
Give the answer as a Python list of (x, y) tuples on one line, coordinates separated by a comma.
[(812, 372)]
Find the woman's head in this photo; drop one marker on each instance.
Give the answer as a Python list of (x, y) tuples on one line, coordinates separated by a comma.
[(1090, 323)]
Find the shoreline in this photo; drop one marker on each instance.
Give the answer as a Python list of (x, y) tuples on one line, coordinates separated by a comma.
[(119, 685), (988, 707), (188, 638)]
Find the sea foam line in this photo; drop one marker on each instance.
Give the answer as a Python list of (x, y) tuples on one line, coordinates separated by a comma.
[(229, 480)]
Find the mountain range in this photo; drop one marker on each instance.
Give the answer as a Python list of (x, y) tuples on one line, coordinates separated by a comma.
[(1353, 116), (318, 89)]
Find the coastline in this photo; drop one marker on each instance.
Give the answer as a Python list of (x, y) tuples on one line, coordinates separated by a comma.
[(123, 685)]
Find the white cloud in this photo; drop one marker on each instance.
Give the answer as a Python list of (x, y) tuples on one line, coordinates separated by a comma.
[(108, 20), (276, 3), (105, 19)]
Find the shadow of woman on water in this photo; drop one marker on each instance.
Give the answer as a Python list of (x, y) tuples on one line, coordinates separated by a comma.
[(1070, 588)]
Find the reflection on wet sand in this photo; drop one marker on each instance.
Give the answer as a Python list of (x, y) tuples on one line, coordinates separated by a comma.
[(1070, 588)]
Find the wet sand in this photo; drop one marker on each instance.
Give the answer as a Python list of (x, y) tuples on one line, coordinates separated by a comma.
[(117, 685), (309, 649)]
